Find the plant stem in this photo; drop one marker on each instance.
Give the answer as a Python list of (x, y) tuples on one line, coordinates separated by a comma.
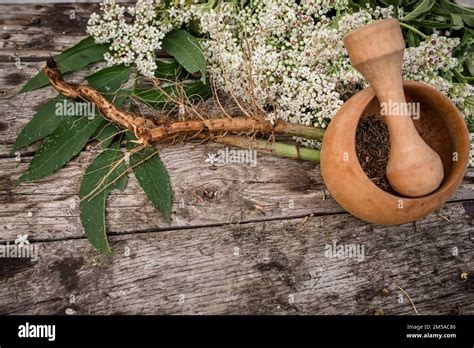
[(409, 27), (272, 148), (307, 132)]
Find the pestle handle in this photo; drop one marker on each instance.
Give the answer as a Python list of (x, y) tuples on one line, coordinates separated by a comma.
[(376, 51), (401, 127)]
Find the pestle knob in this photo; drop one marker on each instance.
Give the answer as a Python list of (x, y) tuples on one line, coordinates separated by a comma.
[(376, 51)]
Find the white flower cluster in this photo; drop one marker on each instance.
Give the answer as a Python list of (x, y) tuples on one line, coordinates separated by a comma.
[(428, 61), (134, 33), (290, 59), (286, 56)]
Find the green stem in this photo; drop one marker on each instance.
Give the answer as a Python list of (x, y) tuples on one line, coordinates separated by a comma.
[(409, 27), (461, 77), (290, 151)]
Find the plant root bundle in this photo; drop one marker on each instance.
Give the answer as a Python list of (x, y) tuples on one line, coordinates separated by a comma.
[(148, 135)]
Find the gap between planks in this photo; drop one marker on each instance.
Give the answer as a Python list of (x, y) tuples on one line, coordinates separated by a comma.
[(192, 227), (227, 224)]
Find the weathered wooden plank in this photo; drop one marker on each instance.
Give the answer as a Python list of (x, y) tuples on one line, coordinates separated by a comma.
[(54, 209), (207, 260), (202, 194), (30, 33), (275, 188), (277, 267), (42, 27), (13, 75)]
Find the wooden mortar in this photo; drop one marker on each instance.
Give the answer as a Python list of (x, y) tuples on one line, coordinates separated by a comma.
[(376, 51), (441, 126)]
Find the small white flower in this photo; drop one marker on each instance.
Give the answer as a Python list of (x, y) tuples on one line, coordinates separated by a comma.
[(211, 158), (271, 117), (22, 240)]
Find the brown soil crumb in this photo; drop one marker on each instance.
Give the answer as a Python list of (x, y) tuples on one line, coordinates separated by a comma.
[(372, 148)]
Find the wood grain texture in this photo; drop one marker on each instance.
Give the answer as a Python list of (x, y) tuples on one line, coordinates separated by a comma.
[(203, 195), (244, 240)]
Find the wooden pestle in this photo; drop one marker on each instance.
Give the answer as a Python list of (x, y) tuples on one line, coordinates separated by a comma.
[(376, 51)]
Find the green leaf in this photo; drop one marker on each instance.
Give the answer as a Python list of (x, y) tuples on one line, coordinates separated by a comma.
[(448, 8), (72, 59), (451, 7), (469, 20), (100, 178), (110, 79), (43, 123), (457, 21), (156, 98), (363, 3), (194, 26), (106, 134), (353, 5), (152, 177), (431, 24), (421, 9), (413, 40), (464, 46), (169, 70), (186, 49), (469, 63), (393, 3), (62, 145)]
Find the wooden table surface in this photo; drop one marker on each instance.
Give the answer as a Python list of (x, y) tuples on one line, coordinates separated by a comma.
[(244, 240)]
